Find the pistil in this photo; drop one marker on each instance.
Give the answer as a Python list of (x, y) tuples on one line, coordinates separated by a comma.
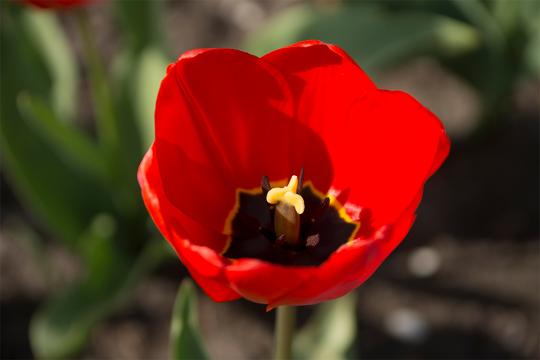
[(288, 207)]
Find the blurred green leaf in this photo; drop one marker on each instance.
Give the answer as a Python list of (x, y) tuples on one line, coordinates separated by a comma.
[(61, 195), (47, 33), (532, 55), (186, 342), (479, 15), (75, 146), (398, 35), (141, 22), (102, 101), (530, 18), (62, 326), (117, 133), (330, 332), (507, 13), (149, 72)]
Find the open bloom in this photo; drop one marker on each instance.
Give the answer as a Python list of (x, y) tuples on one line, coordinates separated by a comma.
[(231, 130)]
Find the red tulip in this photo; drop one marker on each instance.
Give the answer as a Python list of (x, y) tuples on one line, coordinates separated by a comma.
[(225, 119), (55, 4)]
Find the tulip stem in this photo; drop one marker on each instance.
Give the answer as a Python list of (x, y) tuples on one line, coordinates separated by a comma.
[(285, 321), (99, 86)]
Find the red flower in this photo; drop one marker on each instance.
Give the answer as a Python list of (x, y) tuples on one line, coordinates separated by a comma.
[(225, 118), (55, 4)]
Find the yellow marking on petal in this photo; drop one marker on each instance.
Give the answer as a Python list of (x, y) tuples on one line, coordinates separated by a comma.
[(287, 195)]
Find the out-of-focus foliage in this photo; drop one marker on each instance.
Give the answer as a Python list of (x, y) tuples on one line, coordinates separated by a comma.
[(62, 326), (186, 340), (58, 56), (489, 44), (82, 187), (330, 332), (148, 75), (373, 36), (60, 194)]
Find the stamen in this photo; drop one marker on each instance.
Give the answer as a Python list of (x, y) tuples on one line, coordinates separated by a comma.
[(280, 240), (300, 181), (265, 185)]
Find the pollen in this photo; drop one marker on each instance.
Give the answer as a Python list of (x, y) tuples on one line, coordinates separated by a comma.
[(287, 195)]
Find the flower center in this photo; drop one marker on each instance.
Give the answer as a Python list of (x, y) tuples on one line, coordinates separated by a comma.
[(290, 225)]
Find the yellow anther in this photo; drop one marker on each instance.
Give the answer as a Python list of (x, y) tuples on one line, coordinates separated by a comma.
[(287, 195)]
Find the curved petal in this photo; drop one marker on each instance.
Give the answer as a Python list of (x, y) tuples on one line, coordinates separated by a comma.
[(224, 119), (382, 143), (207, 269), (205, 266), (324, 82), (397, 144), (312, 67), (168, 218), (263, 282)]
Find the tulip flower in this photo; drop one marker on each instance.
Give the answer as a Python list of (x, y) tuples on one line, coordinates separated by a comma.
[(285, 179)]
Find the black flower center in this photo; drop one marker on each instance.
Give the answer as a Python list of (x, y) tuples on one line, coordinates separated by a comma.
[(323, 229)]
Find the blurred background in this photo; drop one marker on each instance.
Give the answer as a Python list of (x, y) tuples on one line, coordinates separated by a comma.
[(84, 273)]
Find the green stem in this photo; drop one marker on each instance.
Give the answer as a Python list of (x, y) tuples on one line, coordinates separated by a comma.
[(99, 86), (285, 320)]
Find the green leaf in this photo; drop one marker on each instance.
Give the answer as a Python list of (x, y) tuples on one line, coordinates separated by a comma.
[(398, 35), (330, 332), (149, 72), (59, 194), (61, 327), (507, 13), (141, 22), (530, 18), (478, 14), (54, 47), (186, 343), (75, 146)]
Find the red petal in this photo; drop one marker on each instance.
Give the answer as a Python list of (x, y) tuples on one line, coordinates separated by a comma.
[(195, 189), (263, 282), (168, 218), (396, 144), (207, 269), (223, 119), (204, 264), (325, 81), (383, 144)]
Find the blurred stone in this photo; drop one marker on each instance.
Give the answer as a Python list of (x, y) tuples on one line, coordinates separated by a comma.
[(406, 324), (247, 15), (424, 262)]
